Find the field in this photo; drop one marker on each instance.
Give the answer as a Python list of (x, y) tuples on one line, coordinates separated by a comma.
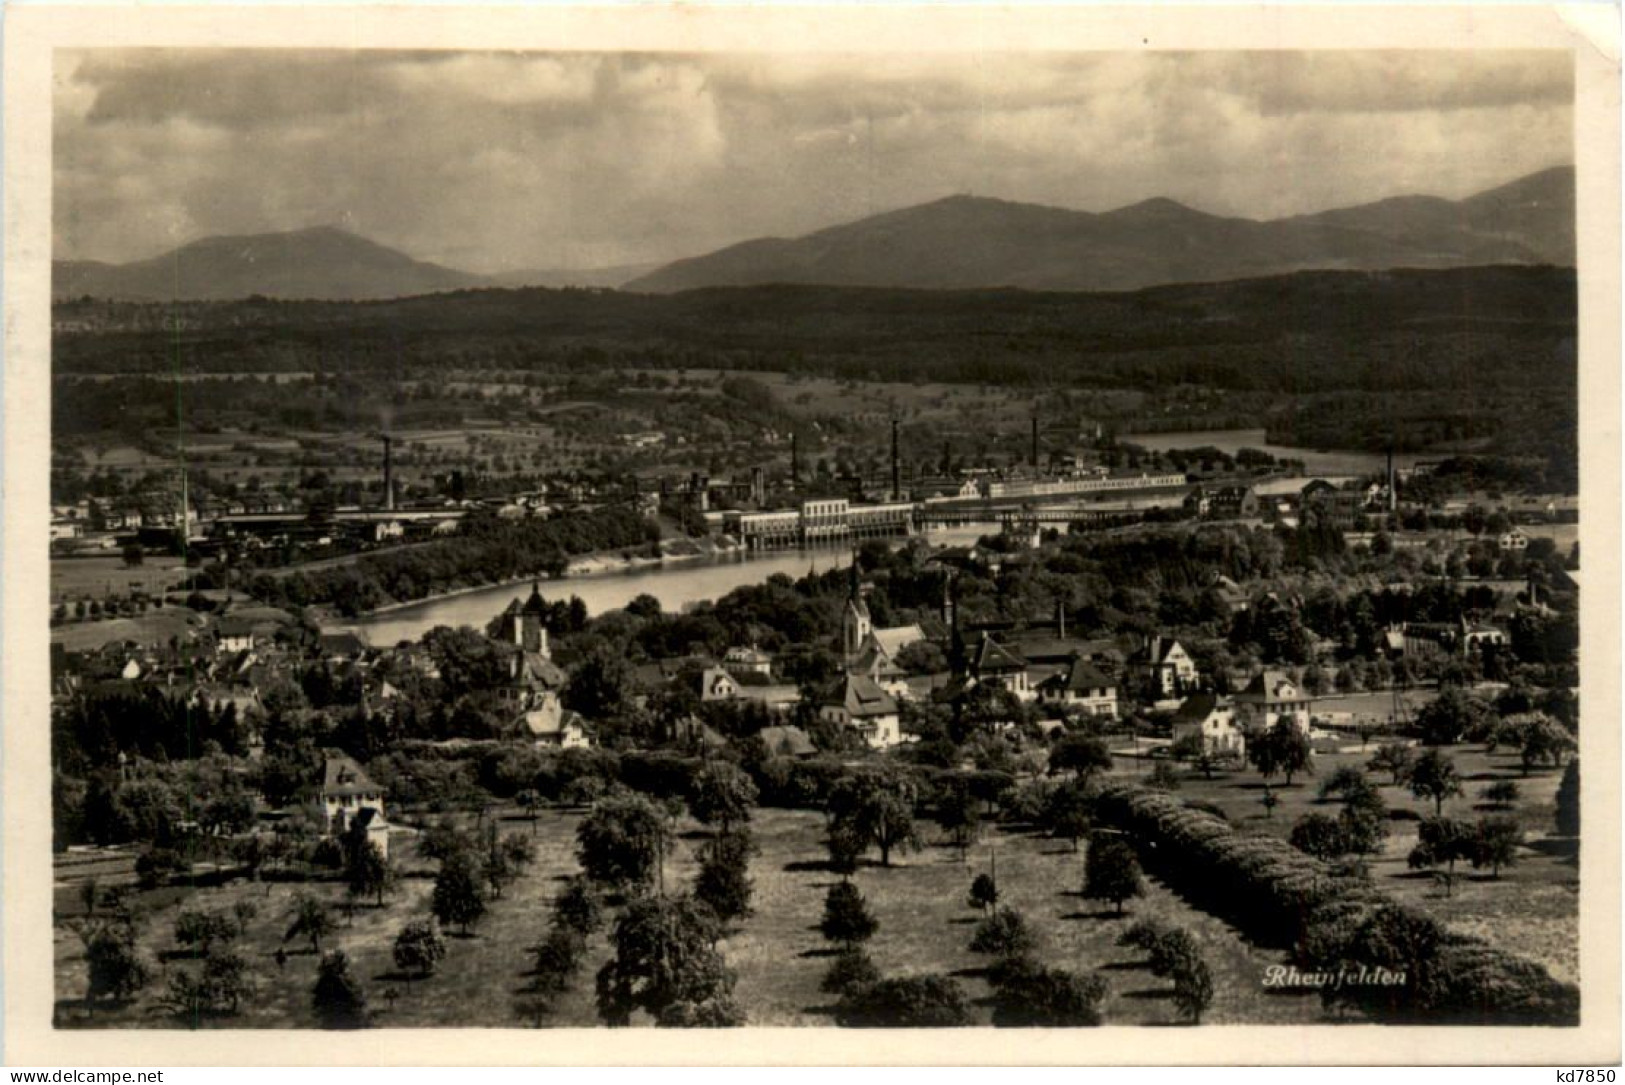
[(104, 575), (777, 952)]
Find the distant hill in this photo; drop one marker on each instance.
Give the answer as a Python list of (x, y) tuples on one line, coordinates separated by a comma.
[(966, 242), (322, 263), (318, 264)]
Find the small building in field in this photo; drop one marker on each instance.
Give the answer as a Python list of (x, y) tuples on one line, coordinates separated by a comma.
[(350, 799), (1212, 719)]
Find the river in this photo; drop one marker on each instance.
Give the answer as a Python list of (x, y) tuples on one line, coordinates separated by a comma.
[(676, 586), (1315, 463)]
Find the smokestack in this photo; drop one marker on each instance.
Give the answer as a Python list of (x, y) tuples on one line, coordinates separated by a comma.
[(1060, 619), (1035, 443), (389, 476), (758, 486), (896, 470), (1393, 494)]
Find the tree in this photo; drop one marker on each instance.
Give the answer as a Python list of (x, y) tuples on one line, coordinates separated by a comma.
[(216, 991), (877, 808), (338, 999), (723, 882), (959, 814), (846, 915), (851, 970), (114, 969), (577, 908), (1542, 740), (1193, 990), (1005, 933), (666, 964), (1163, 777), (419, 948), (1503, 793), (1069, 812), (1434, 778), (1441, 840), (311, 920), (1081, 755), (722, 794), (1282, 748), (1568, 801), (458, 896), (1449, 716), (929, 1001), (1111, 872), (366, 871), (1495, 843), (984, 892), (557, 959), (1319, 835), (623, 842), (1394, 758), (203, 930)]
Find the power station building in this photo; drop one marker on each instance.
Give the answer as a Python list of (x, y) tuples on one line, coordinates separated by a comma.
[(820, 522)]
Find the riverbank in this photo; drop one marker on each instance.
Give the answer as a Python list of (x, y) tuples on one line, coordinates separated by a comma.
[(601, 564)]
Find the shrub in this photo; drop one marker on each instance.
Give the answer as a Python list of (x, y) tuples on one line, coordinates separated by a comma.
[(928, 1001), (419, 948), (1027, 995), (1003, 934), (851, 970), (337, 998), (846, 915), (984, 892)]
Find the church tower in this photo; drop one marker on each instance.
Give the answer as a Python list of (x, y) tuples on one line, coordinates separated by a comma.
[(525, 627), (855, 621)]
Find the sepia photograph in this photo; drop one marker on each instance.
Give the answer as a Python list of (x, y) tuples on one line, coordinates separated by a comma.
[(826, 539)]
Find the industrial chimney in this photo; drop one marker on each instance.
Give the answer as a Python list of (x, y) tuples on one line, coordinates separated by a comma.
[(896, 471), (389, 476)]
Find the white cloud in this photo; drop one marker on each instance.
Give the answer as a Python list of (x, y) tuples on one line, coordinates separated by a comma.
[(490, 160)]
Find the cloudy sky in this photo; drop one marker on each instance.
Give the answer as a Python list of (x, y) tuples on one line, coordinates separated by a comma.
[(495, 161)]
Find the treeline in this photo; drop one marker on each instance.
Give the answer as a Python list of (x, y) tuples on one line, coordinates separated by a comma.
[(487, 551), (1310, 332)]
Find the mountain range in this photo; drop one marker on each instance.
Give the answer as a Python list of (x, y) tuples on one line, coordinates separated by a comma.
[(961, 242)]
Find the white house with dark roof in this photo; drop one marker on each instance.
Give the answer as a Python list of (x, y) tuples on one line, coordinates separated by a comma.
[(350, 798), (551, 724), (1272, 696), (747, 659), (858, 702), (1081, 688), (1166, 664), (1213, 720), (997, 665)]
